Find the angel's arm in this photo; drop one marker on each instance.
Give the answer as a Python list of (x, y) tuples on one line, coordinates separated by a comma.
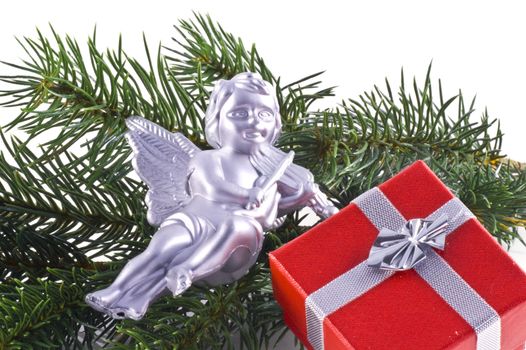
[(308, 194), (206, 178)]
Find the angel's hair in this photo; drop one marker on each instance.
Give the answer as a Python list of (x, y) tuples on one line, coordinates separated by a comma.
[(247, 81)]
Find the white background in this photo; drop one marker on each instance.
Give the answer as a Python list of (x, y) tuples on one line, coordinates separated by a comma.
[(478, 46)]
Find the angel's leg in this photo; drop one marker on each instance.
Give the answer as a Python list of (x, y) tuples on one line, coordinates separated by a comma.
[(212, 254), (145, 269)]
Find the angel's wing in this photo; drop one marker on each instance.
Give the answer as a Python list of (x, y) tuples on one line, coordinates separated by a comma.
[(161, 160)]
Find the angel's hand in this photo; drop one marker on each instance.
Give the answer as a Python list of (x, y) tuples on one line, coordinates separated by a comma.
[(255, 196), (322, 206), (328, 211)]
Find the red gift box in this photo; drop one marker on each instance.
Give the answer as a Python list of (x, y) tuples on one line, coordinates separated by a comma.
[(403, 311)]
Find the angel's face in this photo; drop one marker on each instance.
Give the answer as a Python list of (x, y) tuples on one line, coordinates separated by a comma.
[(247, 120)]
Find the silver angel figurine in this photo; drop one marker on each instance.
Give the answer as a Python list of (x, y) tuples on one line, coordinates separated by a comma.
[(212, 207)]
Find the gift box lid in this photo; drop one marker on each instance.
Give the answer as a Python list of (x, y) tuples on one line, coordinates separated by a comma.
[(402, 312)]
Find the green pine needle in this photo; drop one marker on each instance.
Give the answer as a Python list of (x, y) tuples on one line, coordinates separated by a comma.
[(72, 212)]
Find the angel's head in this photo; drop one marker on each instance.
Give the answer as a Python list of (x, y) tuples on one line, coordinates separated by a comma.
[(243, 113)]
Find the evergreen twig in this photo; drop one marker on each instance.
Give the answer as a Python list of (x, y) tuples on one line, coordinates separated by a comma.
[(72, 213)]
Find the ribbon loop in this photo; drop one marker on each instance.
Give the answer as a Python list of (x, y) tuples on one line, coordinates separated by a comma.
[(403, 249)]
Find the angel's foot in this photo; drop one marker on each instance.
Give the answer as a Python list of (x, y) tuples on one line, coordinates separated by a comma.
[(102, 299), (96, 302), (178, 280), (119, 313), (116, 312)]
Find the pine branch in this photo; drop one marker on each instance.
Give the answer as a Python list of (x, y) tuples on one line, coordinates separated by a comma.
[(369, 139), (496, 195), (50, 313), (60, 209), (60, 92), (54, 215), (206, 53)]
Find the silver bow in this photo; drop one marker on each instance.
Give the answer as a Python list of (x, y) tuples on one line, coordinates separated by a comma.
[(403, 249)]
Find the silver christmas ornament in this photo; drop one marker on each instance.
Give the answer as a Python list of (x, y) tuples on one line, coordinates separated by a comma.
[(212, 207)]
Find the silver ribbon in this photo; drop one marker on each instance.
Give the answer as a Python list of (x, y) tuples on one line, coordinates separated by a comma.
[(484, 320), (401, 250)]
